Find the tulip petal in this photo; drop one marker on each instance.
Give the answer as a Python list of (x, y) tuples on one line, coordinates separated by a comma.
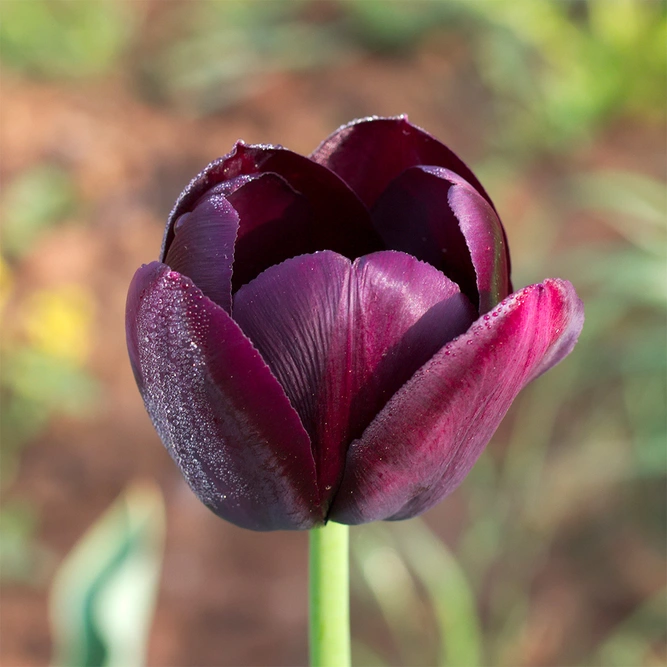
[(343, 337), (370, 153), (203, 248), (220, 412), (405, 311), (339, 222), (435, 215), (276, 221), (424, 442), (297, 316)]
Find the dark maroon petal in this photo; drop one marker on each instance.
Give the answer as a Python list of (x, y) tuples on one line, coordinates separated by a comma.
[(297, 316), (220, 412), (424, 442), (342, 338), (404, 312), (485, 237), (203, 248), (370, 153), (276, 221), (435, 215), (340, 221)]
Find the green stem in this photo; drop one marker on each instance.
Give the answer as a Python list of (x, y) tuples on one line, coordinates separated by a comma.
[(329, 596)]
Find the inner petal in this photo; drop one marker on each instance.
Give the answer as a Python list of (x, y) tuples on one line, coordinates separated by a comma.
[(413, 215), (338, 220), (203, 248), (405, 312), (437, 216), (368, 154), (343, 337), (275, 222)]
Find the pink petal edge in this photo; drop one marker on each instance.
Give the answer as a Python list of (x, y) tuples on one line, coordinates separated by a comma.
[(426, 439)]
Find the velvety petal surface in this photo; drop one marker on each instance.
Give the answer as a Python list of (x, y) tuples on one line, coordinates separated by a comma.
[(435, 215), (370, 153), (342, 337), (203, 248), (222, 415), (339, 221), (426, 439)]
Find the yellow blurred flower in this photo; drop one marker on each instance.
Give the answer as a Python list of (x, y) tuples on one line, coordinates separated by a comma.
[(58, 322)]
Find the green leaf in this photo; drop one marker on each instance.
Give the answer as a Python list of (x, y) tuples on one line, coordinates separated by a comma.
[(35, 200), (51, 383), (22, 558), (64, 38), (104, 594), (634, 205), (634, 638), (394, 589), (451, 595)]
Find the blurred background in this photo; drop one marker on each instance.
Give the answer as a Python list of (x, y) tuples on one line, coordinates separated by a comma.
[(552, 552)]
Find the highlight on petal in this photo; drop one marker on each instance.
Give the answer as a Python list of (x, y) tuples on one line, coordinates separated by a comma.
[(435, 215), (404, 312), (426, 439), (342, 337), (222, 415), (203, 248), (370, 153), (339, 222)]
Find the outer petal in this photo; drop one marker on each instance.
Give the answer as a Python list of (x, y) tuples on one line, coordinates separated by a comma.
[(424, 442), (220, 412), (340, 221), (203, 248), (435, 215), (342, 337), (370, 153)]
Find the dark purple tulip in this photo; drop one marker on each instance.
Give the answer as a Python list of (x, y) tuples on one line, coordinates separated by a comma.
[(336, 337)]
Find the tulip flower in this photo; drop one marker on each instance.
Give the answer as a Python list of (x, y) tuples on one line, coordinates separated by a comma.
[(336, 337)]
